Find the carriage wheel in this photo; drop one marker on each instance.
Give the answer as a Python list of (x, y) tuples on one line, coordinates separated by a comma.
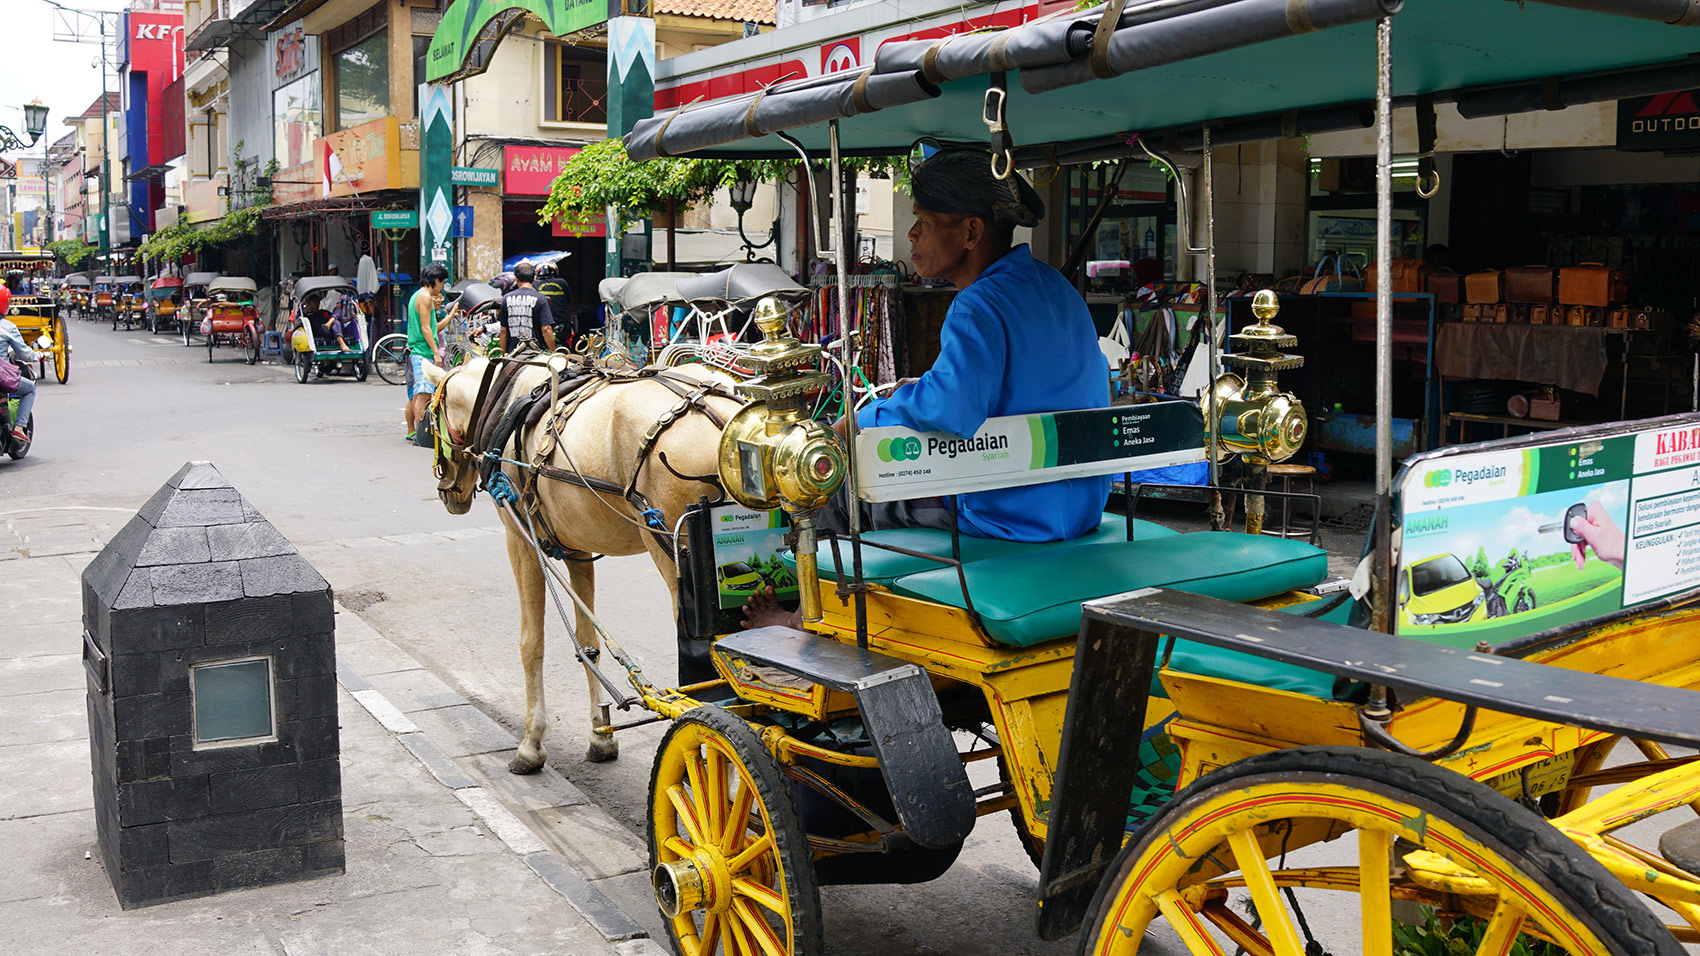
[(728, 855), (61, 352), (253, 345), (1462, 844)]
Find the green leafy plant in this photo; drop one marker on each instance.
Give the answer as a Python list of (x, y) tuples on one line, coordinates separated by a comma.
[(72, 252), (601, 177), (1456, 936)]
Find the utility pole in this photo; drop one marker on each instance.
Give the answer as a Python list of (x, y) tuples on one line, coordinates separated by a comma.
[(76, 36)]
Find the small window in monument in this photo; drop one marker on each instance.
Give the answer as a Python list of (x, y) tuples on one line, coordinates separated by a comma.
[(233, 702)]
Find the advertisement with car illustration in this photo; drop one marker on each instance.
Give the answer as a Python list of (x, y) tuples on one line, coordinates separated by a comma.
[(1496, 544)]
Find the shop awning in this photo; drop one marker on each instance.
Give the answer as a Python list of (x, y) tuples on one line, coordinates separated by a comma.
[(467, 36), (1184, 62)]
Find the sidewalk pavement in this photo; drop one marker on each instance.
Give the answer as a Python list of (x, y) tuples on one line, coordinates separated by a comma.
[(437, 860)]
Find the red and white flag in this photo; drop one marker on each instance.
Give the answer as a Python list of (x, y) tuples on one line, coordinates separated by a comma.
[(330, 166)]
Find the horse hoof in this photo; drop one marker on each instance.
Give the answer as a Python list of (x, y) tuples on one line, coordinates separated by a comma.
[(520, 765), (602, 750)]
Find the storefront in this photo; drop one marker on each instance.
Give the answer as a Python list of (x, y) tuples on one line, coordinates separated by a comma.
[(527, 172)]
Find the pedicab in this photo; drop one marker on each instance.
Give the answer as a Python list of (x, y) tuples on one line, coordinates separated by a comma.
[(195, 301), (36, 315), (313, 351), (130, 302), (104, 299), (1170, 717), (77, 299), (231, 318), (165, 303)]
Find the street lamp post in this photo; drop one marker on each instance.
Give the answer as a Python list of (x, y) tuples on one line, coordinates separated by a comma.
[(105, 152)]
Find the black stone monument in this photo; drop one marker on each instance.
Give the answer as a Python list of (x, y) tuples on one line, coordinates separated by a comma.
[(210, 650)]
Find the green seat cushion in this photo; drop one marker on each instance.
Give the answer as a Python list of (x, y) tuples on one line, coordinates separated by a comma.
[(1022, 601), (884, 567), (1206, 661)]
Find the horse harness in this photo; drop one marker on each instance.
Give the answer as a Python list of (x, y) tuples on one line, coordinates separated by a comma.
[(498, 419)]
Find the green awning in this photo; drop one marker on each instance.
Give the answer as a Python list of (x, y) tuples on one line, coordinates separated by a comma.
[(1439, 47), (470, 31)]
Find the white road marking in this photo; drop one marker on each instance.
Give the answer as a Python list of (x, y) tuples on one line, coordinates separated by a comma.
[(386, 713), (500, 820)]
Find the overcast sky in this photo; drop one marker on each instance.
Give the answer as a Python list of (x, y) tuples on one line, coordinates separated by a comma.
[(65, 76)]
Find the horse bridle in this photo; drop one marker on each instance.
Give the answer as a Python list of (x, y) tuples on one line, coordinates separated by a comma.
[(449, 447)]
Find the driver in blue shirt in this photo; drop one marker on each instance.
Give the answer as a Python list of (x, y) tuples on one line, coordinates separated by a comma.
[(1017, 339)]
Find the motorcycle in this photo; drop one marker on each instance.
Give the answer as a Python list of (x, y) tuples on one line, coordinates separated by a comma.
[(8, 414), (1508, 588)]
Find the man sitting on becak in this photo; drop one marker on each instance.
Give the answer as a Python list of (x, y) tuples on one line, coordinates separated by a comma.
[(1017, 340)]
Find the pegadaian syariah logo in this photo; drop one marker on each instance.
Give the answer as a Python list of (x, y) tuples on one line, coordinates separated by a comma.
[(898, 449)]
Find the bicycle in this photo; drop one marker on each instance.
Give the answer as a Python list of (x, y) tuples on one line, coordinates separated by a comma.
[(390, 358)]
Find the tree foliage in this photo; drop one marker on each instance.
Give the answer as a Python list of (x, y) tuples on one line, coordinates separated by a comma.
[(601, 177), (72, 252), (179, 238)]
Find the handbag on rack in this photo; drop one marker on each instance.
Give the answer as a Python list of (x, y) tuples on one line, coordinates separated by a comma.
[(1530, 285), (1447, 286), (1409, 275), (1591, 284), (1337, 280), (1485, 287)]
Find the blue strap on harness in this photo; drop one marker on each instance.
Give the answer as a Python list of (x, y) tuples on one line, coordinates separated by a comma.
[(503, 491), (652, 517)]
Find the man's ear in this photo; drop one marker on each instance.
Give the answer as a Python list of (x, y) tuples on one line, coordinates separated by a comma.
[(975, 233)]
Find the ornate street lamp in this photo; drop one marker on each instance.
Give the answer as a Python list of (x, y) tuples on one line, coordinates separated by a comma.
[(743, 194), (35, 121)]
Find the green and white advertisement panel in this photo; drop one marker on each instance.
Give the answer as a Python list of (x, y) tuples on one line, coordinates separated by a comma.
[(747, 545), (895, 463), (1540, 533)]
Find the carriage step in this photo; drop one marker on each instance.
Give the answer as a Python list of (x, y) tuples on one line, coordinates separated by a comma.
[(895, 699), (1681, 847)]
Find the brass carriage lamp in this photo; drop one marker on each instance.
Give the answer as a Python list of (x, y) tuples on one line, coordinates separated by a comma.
[(1254, 419), (772, 454)]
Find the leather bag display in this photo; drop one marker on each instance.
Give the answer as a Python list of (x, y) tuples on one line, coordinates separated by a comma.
[(1591, 284), (1409, 275), (1530, 285), (1540, 314), (1485, 287), (1447, 286)]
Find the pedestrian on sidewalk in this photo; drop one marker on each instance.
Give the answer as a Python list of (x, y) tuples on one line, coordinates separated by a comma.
[(422, 343)]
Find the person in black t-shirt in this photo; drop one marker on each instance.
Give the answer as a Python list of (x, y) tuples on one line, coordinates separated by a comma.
[(525, 315), (554, 288)]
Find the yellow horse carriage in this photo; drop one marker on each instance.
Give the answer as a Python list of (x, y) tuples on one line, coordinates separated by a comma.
[(1194, 731), (37, 315)]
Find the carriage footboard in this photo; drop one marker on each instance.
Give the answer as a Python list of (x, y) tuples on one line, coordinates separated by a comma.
[(917, 755), (1119, 640)]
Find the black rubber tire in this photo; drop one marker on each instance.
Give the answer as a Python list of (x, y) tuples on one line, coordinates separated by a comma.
[(1592, 895), (303, 367), (212, 343), (1496, 605), (788, 837), (362, 368), (1525, 602), (389, 359), (183, 328), (1034, 846), (15, 451)]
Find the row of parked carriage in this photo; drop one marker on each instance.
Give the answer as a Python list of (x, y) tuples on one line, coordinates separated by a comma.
[(222, 311)]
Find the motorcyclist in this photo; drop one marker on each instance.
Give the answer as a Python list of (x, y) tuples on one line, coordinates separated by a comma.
[(552, 287), (13, 348)]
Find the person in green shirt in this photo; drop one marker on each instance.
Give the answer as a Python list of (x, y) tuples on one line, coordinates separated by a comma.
[(422, 342)]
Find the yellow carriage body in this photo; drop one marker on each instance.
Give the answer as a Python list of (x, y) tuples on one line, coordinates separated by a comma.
[(38, 316)]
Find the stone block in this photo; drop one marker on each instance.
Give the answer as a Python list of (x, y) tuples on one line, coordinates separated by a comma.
[(201, 508), (321, 780), (259, 868), (247, 620), (326, 856), (160, 801), (304, 655), (315, 612), (162, 884), (315, 738), (196, 584), (247, 832), (145, 629), (185, 759), (143, 846), (308, 697), (151, 715), (283, 574), (254, 789), (157, 672), (175, 546), (239, 542), (140, 760)]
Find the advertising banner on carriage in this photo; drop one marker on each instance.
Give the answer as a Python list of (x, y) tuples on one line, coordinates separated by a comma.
[(747, 545), (1015, 450), (1507, 542)]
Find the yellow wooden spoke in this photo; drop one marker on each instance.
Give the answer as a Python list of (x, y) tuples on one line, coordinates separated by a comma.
[(709, 938), (738, 820), (693, 774), (1375, 890), (678, 848), (1242, 933), (1277, 925), (714, 795), (737, 938), (761, 894), (1187, 925), (687, 814), (758, 929), (1502, 930), (742, 861)]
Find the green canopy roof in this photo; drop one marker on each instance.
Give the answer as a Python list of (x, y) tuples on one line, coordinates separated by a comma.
[(1439, 47)]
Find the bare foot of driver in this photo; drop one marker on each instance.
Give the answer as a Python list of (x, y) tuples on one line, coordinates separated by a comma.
[(763, 610)]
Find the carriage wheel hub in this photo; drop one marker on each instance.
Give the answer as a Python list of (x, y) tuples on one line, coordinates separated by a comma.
[(700, 883)]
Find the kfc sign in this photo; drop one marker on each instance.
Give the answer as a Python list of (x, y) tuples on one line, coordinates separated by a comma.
[(841, 55), (155, 46), (156, 31)]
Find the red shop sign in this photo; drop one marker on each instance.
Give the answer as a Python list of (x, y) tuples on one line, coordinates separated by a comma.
[(529, 170)]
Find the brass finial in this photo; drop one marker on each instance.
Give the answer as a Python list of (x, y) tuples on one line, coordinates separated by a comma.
[(1265, 305), (770, 316)]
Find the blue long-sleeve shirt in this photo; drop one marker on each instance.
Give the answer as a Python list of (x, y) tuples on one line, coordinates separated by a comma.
[(1016, 341), (12, 345)]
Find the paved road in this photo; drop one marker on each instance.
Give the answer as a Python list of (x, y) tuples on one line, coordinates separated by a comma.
[(325, 462)]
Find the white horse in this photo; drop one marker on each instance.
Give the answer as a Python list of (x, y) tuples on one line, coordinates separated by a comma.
[(601, 439)]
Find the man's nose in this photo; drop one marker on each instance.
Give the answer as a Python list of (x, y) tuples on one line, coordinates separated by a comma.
[(914, 230)]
